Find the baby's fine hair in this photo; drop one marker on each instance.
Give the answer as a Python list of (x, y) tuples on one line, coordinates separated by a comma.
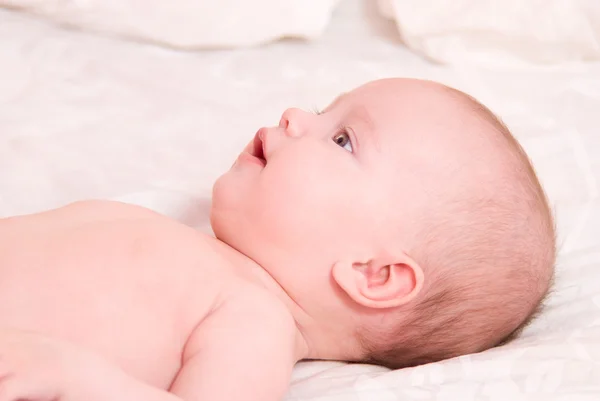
[(489, 265)]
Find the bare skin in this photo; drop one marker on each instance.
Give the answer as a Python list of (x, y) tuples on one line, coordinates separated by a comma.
[(154, 292)]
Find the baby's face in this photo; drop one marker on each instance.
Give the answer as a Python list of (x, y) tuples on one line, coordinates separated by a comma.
[(318, 189)]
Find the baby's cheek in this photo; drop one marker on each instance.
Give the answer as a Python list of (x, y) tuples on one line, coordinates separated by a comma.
[(295, 185), (293, 205)]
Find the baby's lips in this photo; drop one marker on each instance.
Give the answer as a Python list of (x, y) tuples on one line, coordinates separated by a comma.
[(249, 148), (257, 146), (260, 143)]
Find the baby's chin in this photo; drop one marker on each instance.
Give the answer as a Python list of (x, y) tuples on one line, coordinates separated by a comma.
[(228, 199)]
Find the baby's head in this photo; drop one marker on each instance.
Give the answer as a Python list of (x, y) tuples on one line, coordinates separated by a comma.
[(404, 221)]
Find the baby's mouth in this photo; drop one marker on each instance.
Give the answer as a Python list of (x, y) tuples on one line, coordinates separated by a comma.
[(258, 150)]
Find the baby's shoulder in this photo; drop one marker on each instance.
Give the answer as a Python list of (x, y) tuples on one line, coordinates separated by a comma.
[(256, 304), (250, 317), (130, 221), (139, 234)]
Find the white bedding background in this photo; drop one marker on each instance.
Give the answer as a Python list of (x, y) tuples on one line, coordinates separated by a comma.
[(87, 115), (499, 32), (188, 23), (492, 32)]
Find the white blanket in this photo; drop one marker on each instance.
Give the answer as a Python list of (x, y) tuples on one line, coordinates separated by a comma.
[(188, 23), (499, 31), (489, 32), (88, 116)]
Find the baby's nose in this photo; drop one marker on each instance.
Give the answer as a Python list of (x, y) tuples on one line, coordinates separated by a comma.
[(294, 121)]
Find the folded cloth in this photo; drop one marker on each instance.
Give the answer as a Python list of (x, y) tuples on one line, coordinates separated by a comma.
[(497, 32)]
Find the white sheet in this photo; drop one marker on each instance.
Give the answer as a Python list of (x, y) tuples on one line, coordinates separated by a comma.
[(82, 116)]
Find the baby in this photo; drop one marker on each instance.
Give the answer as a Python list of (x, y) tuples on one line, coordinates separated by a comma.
[(401, 225)]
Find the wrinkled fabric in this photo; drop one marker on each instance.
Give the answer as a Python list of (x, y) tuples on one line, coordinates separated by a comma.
[(188, 23), (493, 32)]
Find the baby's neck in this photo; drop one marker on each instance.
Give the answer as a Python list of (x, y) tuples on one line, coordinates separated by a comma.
[(262, 277)]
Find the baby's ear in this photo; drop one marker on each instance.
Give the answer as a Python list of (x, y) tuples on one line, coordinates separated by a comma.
[(381, 282)]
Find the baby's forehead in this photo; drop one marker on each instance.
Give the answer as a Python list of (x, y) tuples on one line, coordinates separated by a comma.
[(399, 96), (427, 128), (400, 109), (395, 112)]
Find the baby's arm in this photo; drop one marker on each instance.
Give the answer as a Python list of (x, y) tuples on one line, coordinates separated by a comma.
[(36, 367), (240, 352), (235, 354)]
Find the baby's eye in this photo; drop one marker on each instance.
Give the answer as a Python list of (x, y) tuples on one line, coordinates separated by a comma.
[(343, 139)]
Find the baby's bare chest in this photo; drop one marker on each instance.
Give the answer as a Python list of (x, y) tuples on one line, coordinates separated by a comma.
[(131, 289)]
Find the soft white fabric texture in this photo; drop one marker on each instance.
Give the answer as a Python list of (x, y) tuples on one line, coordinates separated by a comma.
[(189, 23), (86, 116), (454, 32), (498, 31)]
